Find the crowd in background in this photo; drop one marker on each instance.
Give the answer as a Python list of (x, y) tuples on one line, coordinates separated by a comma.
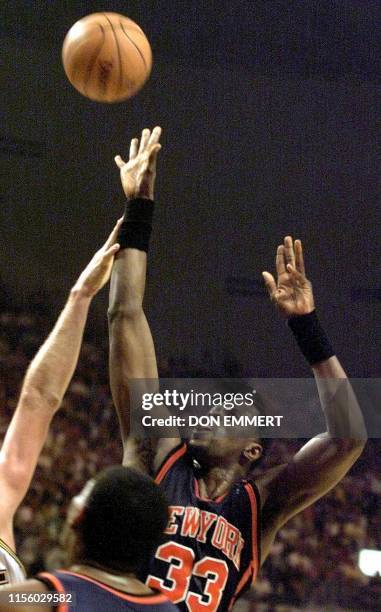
[(314, 560)]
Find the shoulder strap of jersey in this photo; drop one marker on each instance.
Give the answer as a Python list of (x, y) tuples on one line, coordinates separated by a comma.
[(252, 570), (173, 456), (255, 503)]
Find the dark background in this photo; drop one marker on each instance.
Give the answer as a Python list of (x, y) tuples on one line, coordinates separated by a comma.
[(269, 112)]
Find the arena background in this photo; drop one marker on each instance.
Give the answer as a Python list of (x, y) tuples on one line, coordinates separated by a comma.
[(269, 112)]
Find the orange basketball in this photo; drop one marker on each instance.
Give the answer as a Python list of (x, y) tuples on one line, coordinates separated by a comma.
[(106, 57)]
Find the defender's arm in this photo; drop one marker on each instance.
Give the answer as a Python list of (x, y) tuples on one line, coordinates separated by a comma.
[(45, 383)]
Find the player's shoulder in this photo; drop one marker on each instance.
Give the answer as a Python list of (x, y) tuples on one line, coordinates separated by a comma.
[(170, 455), (147, 455)]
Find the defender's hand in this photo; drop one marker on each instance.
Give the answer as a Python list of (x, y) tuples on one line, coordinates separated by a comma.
[(98, 271), (139, 173), (292, 292)]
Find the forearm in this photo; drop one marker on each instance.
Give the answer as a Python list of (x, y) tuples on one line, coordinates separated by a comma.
[(128, 276), (53, 366), (341, 409), (340, 406), (132, 352), (44, 386), (127, 285)]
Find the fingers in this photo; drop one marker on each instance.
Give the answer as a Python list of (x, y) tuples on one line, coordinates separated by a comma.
[(155, 136), (295, 274), (144, 140), (149, 139), (112, 237), (299, 259), (119, 161), (134, 148), (147, 142), (289, 251), (270, 283), (280, 262), (153, 157), (111, 251)]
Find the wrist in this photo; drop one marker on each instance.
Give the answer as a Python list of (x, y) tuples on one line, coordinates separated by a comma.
[(139, 196), (135, 231), (311, 337), (308, 312), (80, 293)]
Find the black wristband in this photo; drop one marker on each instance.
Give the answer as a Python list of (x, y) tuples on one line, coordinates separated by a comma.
[(311, 337), (135, 231)]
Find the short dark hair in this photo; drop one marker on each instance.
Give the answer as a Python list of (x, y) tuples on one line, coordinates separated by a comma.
[(123, 520)]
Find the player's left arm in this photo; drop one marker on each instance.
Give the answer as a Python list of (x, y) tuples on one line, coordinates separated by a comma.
[(45, 383), (324, 460)]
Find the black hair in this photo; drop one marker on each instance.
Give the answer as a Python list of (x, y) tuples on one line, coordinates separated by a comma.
[(123, 520)]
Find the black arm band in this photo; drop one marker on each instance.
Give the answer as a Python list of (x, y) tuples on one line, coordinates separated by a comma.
[(135, 231), (311, 337)]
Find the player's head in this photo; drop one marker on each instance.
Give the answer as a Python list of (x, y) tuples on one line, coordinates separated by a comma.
[(117, 520), (223, 445)]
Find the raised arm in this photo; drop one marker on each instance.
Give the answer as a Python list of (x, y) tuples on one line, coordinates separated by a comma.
[(324, 460), (132, 352), (45, 383)]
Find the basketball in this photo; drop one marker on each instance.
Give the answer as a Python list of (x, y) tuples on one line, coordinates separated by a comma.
[(106, 57)]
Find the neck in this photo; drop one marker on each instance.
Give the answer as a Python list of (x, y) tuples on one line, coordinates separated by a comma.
[(122, 581), (217, 480)]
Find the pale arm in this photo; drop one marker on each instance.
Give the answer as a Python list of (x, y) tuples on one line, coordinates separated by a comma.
[(45, 383)]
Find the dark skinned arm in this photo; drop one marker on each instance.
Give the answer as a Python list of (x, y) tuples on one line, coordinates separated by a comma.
[(321, 463), (132, 351)]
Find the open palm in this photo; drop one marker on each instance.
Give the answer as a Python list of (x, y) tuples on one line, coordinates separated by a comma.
[(139, 173), (292, 291)]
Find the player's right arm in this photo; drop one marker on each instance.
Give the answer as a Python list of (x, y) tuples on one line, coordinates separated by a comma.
[(132, 351), (45, 383)]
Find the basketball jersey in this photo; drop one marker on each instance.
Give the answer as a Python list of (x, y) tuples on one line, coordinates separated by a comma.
[(11, 569), (211, 554), (90, 595)]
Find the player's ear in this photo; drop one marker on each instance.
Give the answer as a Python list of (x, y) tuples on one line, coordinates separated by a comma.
[(252, 451)]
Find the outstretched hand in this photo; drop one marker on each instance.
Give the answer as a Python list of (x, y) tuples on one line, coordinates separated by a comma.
[(139, 173), (98, 270), (292, 291)]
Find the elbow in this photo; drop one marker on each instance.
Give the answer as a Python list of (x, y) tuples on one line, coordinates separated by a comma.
[(353, 447), (359, 445), (131, 310), (35, 398)]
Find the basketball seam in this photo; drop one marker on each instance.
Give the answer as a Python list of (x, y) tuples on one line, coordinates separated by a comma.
[(93, 60), (120, 81), (135, 45)]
